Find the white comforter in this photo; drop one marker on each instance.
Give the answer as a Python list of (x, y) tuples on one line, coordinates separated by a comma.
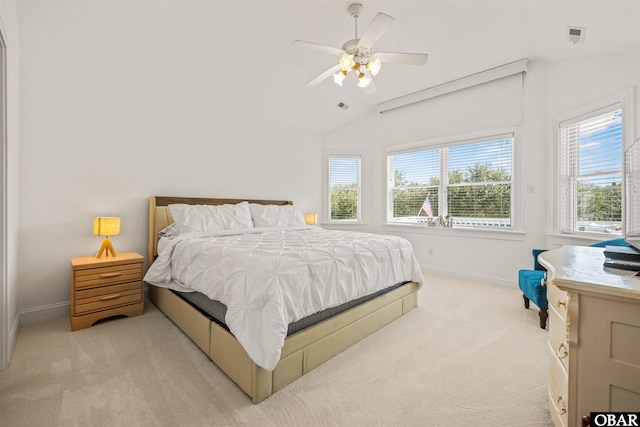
[(270, 277)]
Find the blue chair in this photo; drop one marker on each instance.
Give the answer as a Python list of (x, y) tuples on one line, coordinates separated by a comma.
[(531, 282)]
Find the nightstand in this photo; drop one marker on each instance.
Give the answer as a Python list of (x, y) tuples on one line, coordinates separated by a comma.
[(105, 287)]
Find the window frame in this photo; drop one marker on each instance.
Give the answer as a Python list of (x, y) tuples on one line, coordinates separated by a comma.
[(451, 141), (622, 100), (331, 154)]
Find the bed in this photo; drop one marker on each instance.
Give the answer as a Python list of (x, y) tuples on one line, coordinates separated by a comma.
[(301, 350)]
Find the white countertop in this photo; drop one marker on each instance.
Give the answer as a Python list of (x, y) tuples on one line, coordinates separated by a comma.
[(581, 268)]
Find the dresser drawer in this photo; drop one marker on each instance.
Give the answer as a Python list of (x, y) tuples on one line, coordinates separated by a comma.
[(106, 297), (100, 276), (558, 390), (558, 337), (558, 299)]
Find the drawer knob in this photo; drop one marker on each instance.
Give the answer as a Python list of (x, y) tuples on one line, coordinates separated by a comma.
[(543, 281), (562, 351), (561, 406), (108, 275), (561, 302), (108, 297)]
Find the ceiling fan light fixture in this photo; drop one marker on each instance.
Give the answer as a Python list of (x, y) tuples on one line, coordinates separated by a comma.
[(374, 66), (339, 77), (346, 62), (357, 55), (363, 81)]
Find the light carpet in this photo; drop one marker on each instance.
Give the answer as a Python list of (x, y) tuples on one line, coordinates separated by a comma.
[(468, 355)]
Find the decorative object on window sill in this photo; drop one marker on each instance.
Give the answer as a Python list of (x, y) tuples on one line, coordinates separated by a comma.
[(106, 226), (355, 55), (439, 221)]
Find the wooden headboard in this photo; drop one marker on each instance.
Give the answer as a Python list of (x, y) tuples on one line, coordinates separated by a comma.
[(160, 215)]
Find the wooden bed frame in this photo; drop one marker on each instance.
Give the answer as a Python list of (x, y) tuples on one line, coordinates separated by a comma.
[(302, 351)]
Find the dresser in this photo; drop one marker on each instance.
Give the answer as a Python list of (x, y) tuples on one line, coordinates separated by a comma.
[(105, 287), (594, 335)]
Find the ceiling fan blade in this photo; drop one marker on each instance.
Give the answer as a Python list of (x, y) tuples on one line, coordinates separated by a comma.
[(318, 47), (375, 30), (324, 75), (402, 58)]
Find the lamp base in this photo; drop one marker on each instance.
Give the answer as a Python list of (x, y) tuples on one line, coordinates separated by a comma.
[(106, 246)]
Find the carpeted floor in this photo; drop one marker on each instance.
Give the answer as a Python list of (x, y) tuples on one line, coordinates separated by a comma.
[(468, 355)]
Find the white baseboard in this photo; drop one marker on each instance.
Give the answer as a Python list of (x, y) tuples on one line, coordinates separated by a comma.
[(14, 329), (49, 311), (490, 280), (44, 312), (13, 335)]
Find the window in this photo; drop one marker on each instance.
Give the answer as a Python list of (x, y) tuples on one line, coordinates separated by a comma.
[(469, 183), (344, 188), (591, 172)]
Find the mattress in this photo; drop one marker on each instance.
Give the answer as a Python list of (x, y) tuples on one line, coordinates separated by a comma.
[(217, 310), (270, 278)]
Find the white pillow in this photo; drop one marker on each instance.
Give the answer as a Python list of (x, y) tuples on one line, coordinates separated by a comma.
[(192, 218), (276, 216)]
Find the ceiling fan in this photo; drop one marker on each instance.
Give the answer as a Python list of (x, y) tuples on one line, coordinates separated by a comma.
[(356, 55)]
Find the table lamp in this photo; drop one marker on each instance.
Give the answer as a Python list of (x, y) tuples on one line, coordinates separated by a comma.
[(311, 218), (106, 226)]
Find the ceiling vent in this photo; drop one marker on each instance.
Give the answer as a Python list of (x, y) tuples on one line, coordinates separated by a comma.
[(576, 34), (343, 106)]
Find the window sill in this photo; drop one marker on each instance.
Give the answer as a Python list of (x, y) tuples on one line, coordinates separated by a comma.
[(477, 233), (581, 239)]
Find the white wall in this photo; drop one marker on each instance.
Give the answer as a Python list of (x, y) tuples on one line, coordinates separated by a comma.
[(114, 112), (9, 26), (548, 89), (577, 82)]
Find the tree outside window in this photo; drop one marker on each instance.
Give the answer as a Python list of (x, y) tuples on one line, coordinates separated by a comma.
[(344, 188), (591, 172)]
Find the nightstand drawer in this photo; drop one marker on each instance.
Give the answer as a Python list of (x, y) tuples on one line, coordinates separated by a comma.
[(106, 297), (101, 276)]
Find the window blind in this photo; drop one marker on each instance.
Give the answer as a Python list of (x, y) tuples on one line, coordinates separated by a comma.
[(469, 181), (414, 176), (344, 188), (591, 172), (480, 182), (632, 194)]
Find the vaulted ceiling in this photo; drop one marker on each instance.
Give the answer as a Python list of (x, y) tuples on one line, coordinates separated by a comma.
[(461, 38), (244, 47)]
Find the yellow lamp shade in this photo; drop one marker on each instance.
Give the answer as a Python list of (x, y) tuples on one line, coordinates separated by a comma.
[(311, 218), (106, 226)]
